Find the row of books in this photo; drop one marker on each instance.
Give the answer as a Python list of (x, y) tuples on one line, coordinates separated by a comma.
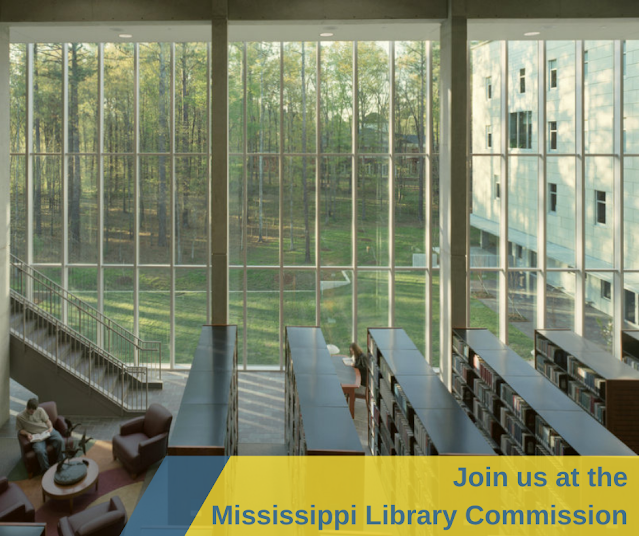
[(587, 376), (404, 437), (554, 373), (587, 400), (520, 433), (461, 366), (631, 361), (488, 420), (552, 351), (465, 395), (385, 393), (423, 444), (460, 346), (509, 447), (518, 405), (386, 443), (485, 372), (551, 440)]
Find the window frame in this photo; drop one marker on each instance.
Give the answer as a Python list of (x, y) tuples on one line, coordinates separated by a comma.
[(600, 207), (552, 197), (552, 74), (552, 136)]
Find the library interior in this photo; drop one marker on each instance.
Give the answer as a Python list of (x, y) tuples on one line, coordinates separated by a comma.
[(356, 228)]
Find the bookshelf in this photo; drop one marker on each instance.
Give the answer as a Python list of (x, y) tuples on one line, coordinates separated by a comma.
[(317, 420), (411, 412), (207, 422), (522, 411), (605, 387), (630, 347)]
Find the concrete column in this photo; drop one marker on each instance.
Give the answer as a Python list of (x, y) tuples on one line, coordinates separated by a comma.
[(219, 144), (453, 185), (4, 223)]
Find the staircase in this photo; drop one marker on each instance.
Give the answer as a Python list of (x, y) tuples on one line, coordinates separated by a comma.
[(66, 350)]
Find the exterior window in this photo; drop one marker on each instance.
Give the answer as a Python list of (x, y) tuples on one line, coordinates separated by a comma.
[(489, 88), (533, 259), (585, 65), (552, 74), (522, 80), (606, 289), (631, 306), (600, 207), (497, 186), (520, 251), (623, 141), (520, 130), (489, 136), (552, 197), (552, 135)]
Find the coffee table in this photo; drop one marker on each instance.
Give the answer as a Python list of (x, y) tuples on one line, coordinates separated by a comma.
[(53, 490)]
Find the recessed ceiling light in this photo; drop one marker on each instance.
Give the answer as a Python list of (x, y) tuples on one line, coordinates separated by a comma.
[(125, 36), (530, 34), (326, 34)]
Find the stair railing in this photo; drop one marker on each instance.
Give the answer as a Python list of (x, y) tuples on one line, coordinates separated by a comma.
[(123, 384), (80, 317)]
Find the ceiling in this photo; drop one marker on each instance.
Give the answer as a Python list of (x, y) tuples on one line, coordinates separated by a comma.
[(484, 29)]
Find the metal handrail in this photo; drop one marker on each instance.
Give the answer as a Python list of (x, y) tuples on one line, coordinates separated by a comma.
[(84, 319), (135, 399)]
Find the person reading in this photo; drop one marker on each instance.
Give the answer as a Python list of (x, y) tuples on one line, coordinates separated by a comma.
[(33, 421)]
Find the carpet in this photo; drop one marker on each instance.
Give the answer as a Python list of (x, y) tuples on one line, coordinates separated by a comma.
[(114, 480)]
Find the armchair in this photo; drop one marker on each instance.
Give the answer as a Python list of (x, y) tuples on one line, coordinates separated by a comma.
[(28, 455), (144, 440), (106, 519), (14, 504)]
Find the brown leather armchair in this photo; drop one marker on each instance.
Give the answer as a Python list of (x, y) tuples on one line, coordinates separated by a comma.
[(28, 455), (144, 440), (15, 507), (106, 519)]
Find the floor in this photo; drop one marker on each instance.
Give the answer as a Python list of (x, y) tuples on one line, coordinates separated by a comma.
[(261, 415)]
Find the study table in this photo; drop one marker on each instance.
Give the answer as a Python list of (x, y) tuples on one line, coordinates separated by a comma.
[(349, 377)]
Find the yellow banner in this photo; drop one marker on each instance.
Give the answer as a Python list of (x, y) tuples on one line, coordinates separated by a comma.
[(422, 495)]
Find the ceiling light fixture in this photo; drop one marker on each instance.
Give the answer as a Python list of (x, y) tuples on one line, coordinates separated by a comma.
[(326, 34), (125, 36), (530, 34)]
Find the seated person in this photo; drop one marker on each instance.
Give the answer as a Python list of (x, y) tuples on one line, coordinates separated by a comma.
[(34, 420), (360, 360)]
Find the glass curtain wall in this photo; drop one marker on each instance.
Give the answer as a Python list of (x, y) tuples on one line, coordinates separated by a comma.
[(333, 186), (333, 192), (110, 180), (554, 201)]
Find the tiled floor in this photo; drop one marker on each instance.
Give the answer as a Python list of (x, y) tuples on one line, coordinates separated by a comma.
[(261, 415)]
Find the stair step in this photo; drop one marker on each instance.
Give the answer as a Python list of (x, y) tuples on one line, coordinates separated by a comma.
[(71, 353)]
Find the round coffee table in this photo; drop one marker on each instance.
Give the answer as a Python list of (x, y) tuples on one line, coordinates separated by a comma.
[(55, 491)]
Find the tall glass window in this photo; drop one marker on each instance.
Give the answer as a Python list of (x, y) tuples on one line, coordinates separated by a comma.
[(333, 186)]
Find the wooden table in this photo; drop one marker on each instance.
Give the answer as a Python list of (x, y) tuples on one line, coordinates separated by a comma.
[(350, 378), (53, 490)]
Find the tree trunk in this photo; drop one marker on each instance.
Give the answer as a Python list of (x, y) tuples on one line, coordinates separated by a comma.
[(37, 168), (162, 190), (261, 158), (307, 234), (75, 180)]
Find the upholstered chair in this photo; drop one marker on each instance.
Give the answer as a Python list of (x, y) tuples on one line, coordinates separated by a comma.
[(14, 505), (144, 440), (106, 519)]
